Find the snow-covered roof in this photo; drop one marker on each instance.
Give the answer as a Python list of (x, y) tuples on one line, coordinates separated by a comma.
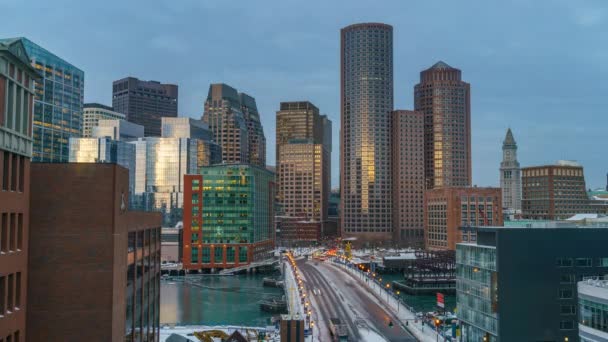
[(579, 217)]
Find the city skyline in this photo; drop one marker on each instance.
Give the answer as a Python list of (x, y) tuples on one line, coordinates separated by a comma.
[(513, 70)]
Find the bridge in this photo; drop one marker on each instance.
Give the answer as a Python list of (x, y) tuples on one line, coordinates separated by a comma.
[(252, 266)]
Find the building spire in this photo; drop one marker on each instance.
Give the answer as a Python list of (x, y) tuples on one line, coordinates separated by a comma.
[(509, 141)]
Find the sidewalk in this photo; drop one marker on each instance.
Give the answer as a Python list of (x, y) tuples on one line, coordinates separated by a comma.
[(399, 311)]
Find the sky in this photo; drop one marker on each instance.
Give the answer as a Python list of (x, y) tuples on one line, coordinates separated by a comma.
[(539, 67)]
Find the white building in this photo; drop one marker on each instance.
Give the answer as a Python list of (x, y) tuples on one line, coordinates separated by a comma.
[(92, 113), (593, 309), (510, 175)]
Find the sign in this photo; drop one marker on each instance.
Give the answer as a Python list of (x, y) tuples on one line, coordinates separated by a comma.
[(440, 300)]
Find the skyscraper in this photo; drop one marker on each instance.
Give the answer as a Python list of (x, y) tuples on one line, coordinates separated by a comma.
[(408, 177), (235, 124), (93, 112), (16, 101), (366, 79), (145, 102), (445, 100), (510, 174), (57, 104)]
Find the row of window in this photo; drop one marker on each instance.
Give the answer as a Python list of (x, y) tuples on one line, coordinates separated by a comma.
[(11, 232), (581, 262), (13, 337), (12, 172), (10, 293)]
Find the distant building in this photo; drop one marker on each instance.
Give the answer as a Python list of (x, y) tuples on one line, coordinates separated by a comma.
[(446, 102), (171, 245), (117, 130), (110, 287), (57, 112), (593, 308), (518, 284), (448, 209), (510, 174), (145, 102), (228, 216), (554, 192), (303, 168), (235, 124), (16, 102), (408, 177), (366, 102), (92, 113)]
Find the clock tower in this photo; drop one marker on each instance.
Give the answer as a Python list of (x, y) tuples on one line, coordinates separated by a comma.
[(510, 174)]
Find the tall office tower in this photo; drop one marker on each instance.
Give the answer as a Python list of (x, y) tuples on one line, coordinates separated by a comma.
[(446, 102), (117, 129), (510, 174), (235, 123), (554, 192), (228, 216), (366, 79), (408, 177), (145, 102), (16, 102), (57, 104), (109, 289), (303, 169), (93, 112)]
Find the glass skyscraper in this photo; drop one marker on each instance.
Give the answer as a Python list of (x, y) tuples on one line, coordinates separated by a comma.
[(57, 104), (366, 105)]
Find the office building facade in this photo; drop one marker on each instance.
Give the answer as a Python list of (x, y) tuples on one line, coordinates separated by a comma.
[(92, 113), (408, 177), (58, 103), (510, 287), (510, 174), (445, 101), (235, 125), (448, 209), (593, 308), (117, 129), (366, 102), (145, 102), (16, 103), (228, 216), (83, 225), (554, 192)]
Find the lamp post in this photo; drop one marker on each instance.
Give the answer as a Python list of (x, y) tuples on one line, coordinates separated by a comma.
[(398, 300), (388, 286)]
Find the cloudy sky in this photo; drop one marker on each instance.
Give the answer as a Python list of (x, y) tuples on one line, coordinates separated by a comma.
[(540, 67)]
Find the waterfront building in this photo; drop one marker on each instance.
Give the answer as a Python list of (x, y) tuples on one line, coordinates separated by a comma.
[(408, 177), (554, 192), (593, 308), (510, 175), (103, 283), (171, 244), (228, 216), (303, 169), (58, 103), (445, 101), (117, 129), (235, 125), (16, 103), (161, 163), (520, 284), (145, 102), (366, 102), (92, 113), (447, 209)]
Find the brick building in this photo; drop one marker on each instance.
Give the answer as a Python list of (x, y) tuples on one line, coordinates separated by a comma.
[(447, 209), (94, 266)]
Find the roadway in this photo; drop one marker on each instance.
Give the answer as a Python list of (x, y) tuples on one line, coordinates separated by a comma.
[(337, 294)]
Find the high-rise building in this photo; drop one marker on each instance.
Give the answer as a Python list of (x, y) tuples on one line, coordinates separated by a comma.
[(58, 103), (554, 192), (303, 169), (235, 124), (445, 101), (520, 284), (228, 216), (145, 102), (510, 174), (92, 113), (117, 130), (408, 177), (366, 101), (16, 103), (94, 266), (448, 209), (161, 163), (593, 307)]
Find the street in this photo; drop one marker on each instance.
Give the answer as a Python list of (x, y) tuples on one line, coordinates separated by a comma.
[(337, 294)]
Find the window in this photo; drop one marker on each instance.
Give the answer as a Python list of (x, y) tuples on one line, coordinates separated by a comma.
[(194, 255), (206, 255), (10, 292), (20, 231), (567, 278), (5, 170), (2, 295), (568, 309), (4, 233), (602, 262), (565, 293), (564, 262), (219, 255), (18, 290), (12, 234), (584, 262), (566, 325)]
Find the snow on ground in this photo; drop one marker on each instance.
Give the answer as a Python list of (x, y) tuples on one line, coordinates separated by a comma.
[(369, 335), (378, 295), (187, 331)]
